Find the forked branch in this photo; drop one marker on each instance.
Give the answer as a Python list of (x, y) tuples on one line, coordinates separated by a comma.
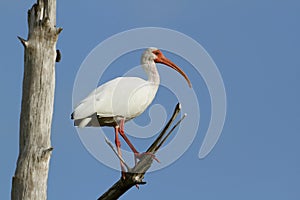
[(135, 175)]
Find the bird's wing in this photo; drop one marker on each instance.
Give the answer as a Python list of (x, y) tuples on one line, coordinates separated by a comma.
[(87, 106), (122, 96)]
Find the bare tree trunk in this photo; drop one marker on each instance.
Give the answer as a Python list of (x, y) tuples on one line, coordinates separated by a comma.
[(30, 178)]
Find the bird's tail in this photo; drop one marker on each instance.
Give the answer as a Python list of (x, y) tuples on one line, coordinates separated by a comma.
[(82, 122)]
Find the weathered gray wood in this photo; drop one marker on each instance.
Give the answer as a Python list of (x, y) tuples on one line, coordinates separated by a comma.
[(137, 173), (30, 178)]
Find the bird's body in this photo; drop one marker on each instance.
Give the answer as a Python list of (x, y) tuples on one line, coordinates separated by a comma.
[(123, 98)]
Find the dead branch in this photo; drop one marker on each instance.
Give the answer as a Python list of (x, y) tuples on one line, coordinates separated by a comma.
[(135, 175)]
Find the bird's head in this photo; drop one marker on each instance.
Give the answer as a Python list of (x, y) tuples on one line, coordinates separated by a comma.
[(153, 54)]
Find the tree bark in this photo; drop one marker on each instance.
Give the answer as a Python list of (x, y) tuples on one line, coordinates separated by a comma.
[(30, 179)]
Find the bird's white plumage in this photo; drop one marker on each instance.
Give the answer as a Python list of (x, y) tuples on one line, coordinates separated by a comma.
[(123, 96)]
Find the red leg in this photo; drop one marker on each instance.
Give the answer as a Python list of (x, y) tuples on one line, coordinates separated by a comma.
[(136, 153), (122, 133), (118, 145), (121, 130)]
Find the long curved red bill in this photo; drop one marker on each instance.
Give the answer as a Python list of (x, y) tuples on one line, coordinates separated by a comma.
[(162, 59)]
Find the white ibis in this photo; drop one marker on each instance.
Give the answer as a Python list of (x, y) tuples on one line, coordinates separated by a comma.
[(123, 98)]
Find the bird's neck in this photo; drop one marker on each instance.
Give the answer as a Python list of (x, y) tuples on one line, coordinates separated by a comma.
[(151, 71)]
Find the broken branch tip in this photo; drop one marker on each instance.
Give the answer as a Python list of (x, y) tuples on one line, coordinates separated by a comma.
[(23, 41)]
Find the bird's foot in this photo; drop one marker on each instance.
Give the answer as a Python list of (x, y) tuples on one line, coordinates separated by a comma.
[(141, 155)]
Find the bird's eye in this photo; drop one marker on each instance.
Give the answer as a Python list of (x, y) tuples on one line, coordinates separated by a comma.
[(156, 53)]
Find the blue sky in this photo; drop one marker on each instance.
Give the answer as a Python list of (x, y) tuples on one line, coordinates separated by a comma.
[(255, 45)]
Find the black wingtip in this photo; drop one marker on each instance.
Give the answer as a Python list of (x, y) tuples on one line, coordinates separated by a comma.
[(72, 115)]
